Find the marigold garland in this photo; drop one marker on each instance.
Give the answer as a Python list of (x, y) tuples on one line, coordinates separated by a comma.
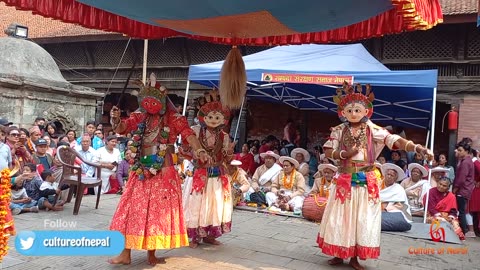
[(5, 193), (288, 184)]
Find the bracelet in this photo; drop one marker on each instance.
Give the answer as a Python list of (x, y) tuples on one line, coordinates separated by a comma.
[(406, 145), (333, 154), (415, 149), (340, 155), (198, 151)]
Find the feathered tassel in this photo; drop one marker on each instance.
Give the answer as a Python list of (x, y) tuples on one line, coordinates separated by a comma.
[(233, 80)]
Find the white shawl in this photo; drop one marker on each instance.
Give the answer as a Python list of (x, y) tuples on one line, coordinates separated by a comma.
[(269, 174), (396, 193)]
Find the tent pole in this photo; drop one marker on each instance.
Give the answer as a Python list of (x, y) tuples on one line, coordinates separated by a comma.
[(432, 140), (186, 98), (238, 119), (145, 55)]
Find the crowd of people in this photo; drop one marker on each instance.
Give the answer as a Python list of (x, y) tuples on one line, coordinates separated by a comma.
[(194, 185)]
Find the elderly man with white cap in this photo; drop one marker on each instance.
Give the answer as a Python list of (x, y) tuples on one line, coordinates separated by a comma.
[(263, 177), (288, 188), (303, 157), (238, 181), (395, 206), (413, 187), (322, 183)]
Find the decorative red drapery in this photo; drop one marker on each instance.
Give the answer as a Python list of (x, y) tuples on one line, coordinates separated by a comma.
[(408, 15)]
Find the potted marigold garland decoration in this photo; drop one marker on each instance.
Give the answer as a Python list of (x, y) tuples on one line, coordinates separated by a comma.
[(6, 221)]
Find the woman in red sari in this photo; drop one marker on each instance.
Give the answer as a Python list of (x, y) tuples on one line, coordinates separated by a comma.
[(247, 159), (150, 212), (442, 205)]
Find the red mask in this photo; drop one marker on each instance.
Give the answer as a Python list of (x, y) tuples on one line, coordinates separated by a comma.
[(152, 105)]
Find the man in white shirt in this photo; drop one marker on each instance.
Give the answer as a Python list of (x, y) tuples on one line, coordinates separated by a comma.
[(88, 154)]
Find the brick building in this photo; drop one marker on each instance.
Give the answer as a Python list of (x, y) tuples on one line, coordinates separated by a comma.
[(90, 57)]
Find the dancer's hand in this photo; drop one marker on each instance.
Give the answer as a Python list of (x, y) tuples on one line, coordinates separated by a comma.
[(350, 153), (115, 115), (205, 158)]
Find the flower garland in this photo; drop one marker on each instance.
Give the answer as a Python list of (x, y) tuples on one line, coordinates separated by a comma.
[(5, 190), (288, 184), (148, 166)]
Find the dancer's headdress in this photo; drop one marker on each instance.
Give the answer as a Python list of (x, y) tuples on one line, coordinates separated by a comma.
[(152, 89), (210, 102), (354, 96)]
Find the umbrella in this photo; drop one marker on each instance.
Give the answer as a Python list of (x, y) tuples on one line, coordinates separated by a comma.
[(244, 22)]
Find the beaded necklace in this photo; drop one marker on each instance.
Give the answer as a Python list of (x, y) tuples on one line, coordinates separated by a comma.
[(288, 181)]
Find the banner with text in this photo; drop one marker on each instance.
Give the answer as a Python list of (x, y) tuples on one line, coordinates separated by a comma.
[(307, 78)]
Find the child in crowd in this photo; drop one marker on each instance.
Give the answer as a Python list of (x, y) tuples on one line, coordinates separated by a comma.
[(48, 192), (20, 202), (31, 181)]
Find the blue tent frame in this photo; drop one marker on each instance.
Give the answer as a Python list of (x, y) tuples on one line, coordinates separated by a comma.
[(402, 98)]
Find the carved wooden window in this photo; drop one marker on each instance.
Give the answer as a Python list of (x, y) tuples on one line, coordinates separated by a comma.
[(436, 43), (473, 42)]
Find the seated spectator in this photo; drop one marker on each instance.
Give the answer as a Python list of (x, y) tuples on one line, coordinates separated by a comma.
[(437, 173), (322, 184), (20, 202), (382, 160), (96, 142), (396, 158), (108, 157), (247, 160), (31, 181), (17, 146), (262, 179), (238, 181), (48, 192), (413, 187), (123, 170), (88, 154), (288, 188), (442, 206), (396, 215), (303, 157)]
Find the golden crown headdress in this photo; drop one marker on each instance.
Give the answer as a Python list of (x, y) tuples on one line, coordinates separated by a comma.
[(152, 88), (353, 95)]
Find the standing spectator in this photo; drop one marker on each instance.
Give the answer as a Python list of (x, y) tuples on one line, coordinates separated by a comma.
[(50, 150), (40, 123), (19, 152), (443, 162), (108, 157), (71, 135), (35, 134), (41, 157), (4, 122), (5, 152), (289, 131), (51, 129), (464, 181), (268, 145), (96, 142), (99, 134), (24, 134)]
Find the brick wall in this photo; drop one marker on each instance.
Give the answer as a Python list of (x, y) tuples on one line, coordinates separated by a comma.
[(468, 122)]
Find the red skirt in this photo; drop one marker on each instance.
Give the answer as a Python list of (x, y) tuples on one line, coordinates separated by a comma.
[(150, 213), (474, 202)]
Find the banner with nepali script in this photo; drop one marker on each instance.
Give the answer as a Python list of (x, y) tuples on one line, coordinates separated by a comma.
[(307, 78)]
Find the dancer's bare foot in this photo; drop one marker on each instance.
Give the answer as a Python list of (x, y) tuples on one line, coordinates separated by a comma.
[(211, 241), (193, 244), (355, 265), (335, 261), (152, 260), (123, 258)]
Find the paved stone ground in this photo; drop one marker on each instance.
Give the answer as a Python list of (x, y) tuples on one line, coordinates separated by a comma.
[(258, 241)]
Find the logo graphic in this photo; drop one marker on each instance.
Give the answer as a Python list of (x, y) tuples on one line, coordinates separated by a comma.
[(25, 241), (437, 232), (26, 244)]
